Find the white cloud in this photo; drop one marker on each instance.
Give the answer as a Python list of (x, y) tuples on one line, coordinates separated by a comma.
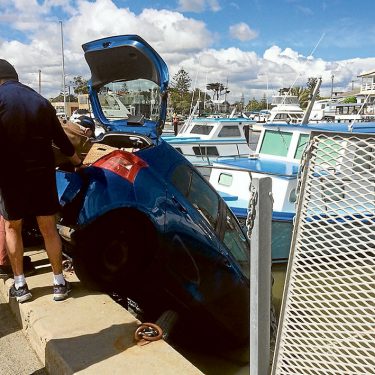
[(242, 31), (180, 40), (198, 6)]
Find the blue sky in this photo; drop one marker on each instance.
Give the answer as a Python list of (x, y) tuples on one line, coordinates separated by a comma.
[(254, 44)]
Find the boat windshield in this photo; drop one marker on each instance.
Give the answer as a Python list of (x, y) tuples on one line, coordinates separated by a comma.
[(276, 143), (301, 145), (125, 99), (201, 129)]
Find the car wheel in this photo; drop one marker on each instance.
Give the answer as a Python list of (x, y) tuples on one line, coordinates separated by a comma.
[(110, 255)]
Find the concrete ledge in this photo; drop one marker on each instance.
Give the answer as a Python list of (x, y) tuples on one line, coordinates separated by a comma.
[(88, 333)]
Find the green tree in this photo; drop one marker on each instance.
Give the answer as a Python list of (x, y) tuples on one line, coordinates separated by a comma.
[(217, 88), (253, 105), (181, 82), (80, 85), (179, 95), (311, 83), (350, 99), (303, 95)]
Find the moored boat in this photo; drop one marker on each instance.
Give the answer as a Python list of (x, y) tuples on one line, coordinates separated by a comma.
[(278, 155)]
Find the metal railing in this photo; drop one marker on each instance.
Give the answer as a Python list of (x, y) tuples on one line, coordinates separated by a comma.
[(327, 322)]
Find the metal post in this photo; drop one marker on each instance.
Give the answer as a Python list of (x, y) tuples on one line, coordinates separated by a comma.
[(260, 279), (40, 81), (63, 66)]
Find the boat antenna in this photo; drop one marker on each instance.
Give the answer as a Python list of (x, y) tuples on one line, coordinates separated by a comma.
[(205, 93), (194, 88), (311, 54)]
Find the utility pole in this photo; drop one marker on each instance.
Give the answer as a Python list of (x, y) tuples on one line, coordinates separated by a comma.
[(63, 66), (40, 81), (332, 78)]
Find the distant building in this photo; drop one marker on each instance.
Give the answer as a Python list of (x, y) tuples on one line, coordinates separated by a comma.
[(60, 110), (367, 89), (83, 101)]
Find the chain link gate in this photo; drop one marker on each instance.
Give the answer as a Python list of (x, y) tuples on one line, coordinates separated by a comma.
[(327, 322)]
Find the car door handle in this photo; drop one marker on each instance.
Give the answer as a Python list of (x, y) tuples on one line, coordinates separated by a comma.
[(179, 205)]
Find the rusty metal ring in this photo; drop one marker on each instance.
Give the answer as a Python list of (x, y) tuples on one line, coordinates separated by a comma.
[(67, 265), (140, 333)]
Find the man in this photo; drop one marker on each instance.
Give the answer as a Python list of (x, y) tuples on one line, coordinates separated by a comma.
[(175, 124), (28, 126)]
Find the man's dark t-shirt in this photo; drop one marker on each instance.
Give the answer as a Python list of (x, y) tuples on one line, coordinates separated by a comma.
[(28, 126)]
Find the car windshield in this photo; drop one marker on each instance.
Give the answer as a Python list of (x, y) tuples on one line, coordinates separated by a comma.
[(123, 100)]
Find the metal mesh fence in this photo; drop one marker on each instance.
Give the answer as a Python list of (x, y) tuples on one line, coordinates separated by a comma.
[(327, 323)]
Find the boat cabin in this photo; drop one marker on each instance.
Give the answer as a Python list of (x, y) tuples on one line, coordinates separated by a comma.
[(202, 140)]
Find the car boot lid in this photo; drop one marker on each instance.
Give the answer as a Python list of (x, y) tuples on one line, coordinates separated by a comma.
[(123, 58)]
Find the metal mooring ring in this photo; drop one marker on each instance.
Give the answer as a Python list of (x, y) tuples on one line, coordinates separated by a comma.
[(148, 332)]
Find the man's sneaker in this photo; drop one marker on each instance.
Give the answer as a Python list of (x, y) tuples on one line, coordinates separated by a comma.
[(60, 292), (22, 294)]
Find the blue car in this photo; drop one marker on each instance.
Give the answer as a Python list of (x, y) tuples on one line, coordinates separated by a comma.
[(140, 219)]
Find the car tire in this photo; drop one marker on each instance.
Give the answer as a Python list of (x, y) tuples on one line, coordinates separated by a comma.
[(110, 255)]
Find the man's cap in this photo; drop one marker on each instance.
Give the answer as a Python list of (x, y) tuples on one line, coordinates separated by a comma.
[(7, 70)]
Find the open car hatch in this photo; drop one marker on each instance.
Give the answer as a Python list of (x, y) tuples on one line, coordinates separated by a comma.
[(128, 85)]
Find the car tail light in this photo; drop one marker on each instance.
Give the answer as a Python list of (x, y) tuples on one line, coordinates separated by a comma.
[(123, 163)]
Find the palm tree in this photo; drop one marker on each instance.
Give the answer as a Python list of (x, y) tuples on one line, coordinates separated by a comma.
[(302, 94)]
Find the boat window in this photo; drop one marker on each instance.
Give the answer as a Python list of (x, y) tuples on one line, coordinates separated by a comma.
[(296, 115), (275, 143), (253, 139), (201, 129), (281, 116), (301, 145), (205, 150), (225, 179), (129, 99), (229, 131), (235, 240), (198, 192)]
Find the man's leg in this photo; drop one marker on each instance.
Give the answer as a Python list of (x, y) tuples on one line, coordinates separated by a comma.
[(5, 268), (3, 250), (52, 241), (13, 230)]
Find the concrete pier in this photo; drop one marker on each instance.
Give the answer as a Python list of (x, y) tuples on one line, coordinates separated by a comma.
[(88, 333)]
